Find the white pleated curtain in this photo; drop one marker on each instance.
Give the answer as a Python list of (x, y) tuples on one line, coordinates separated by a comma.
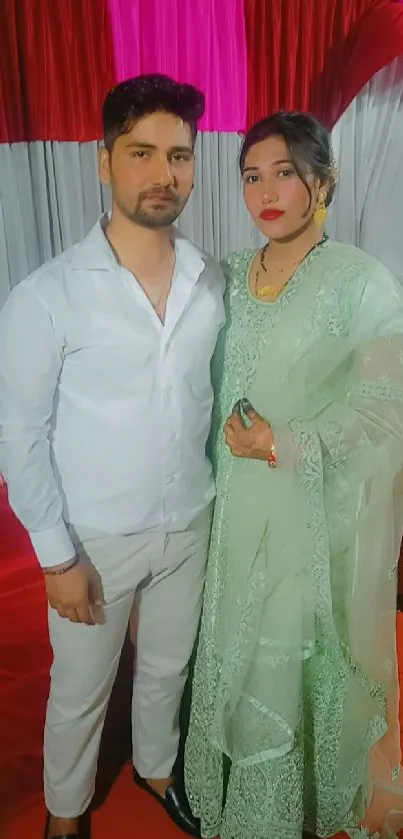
[(50, 195), (368, 142)]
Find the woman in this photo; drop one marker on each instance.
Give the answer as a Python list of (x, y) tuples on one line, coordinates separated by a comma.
[(294, 715)]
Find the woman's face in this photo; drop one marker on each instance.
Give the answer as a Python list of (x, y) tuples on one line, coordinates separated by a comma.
[(276, 198)]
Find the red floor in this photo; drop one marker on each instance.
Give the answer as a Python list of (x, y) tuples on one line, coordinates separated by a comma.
[(123, 812), (127, 814)]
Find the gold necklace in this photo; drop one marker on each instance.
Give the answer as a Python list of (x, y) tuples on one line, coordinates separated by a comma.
[(165, 290), (160, 304), (158, 301), (272, 291)]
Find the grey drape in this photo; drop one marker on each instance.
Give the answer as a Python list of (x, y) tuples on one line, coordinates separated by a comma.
[(50, 195)]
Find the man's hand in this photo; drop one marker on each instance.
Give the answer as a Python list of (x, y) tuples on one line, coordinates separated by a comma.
[(255, 442), (76, 594)]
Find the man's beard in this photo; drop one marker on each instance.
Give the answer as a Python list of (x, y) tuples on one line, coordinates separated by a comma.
[(162, 215)]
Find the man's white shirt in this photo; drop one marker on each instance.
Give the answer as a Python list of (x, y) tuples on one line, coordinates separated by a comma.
[(105, 412)]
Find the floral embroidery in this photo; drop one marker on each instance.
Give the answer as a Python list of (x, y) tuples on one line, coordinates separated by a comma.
[(301, 787)]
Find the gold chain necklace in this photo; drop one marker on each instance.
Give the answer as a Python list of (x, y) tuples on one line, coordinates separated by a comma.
[(272, 291), (160, 304), (165, 290), (269, 290), (158, 301)]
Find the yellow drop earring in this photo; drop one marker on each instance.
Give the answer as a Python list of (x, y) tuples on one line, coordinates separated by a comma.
[(320, 213)]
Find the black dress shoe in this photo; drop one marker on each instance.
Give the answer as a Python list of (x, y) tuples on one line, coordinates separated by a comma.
[(59, 835), (175, 804)]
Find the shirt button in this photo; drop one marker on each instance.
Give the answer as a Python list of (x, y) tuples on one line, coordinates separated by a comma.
[(170, 480), (172, 437)]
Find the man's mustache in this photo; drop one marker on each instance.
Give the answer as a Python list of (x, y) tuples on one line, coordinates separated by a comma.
[(165, 194)]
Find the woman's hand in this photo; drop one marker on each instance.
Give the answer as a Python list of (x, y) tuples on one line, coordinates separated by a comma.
[(255, 442)]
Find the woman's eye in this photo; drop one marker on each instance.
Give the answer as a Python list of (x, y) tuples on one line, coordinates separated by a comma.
[(286, 173), (251, 179)]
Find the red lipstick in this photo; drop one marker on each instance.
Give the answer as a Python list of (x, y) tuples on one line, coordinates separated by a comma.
[(271, 215)]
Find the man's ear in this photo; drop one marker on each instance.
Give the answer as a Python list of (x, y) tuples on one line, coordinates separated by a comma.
[(104, 166)]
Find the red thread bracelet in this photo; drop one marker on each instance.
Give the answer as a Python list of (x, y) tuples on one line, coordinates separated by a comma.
[(272, 457)]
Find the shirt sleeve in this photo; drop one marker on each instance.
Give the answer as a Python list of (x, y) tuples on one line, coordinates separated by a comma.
[(31, 355)]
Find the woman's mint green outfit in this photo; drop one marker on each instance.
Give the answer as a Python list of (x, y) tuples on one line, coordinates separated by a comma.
[(295, 680)]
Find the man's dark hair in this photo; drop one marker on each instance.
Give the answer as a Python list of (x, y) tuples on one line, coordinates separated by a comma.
[(134, 98)]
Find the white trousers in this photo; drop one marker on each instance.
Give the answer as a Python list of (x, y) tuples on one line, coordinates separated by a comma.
[(164, 573)]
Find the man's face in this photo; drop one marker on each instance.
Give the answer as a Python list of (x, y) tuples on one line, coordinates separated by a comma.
[(151, 170)]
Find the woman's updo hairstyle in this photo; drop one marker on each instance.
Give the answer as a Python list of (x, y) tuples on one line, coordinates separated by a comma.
[(308, 145)]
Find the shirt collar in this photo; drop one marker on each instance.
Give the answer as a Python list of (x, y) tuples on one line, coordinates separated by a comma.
[(95, 254)]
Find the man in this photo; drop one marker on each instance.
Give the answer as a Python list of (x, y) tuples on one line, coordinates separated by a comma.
[(105, 411)]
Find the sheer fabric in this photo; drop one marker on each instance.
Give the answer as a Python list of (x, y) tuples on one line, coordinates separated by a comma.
[(296, 678)]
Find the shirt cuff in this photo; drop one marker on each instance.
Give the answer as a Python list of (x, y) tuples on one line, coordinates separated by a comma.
[(53, 546)]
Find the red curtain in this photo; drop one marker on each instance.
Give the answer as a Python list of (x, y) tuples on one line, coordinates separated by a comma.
[(56, 60), (56, 65), (25, 657), (378, 41), (311, 55), (24, 666)]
